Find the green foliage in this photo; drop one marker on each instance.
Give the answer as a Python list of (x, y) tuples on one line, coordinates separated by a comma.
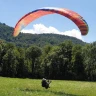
[(26, 40), (46, 55), (10, 61), (89, 52), (77, 62), (33, 52), (65, 61)]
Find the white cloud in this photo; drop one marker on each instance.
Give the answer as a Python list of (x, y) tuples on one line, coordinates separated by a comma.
[(40, 28)]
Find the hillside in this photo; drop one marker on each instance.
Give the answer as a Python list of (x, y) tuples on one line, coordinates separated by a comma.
[(36, 39)]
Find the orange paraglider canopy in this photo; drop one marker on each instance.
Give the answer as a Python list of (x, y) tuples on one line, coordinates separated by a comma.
[(31, 16)]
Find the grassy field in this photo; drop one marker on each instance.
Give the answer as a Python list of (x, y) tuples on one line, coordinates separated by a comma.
[(32, 87)]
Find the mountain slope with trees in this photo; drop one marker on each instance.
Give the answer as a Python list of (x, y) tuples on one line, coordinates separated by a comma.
[(65, 60), (25, 40)]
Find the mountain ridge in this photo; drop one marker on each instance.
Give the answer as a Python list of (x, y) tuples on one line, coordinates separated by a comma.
[(27, 39)]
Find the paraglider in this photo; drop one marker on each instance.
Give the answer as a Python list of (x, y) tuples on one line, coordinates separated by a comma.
[(31, 16), (45, 83)]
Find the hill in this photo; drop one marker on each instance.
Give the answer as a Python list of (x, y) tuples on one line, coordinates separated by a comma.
[(26, 39)]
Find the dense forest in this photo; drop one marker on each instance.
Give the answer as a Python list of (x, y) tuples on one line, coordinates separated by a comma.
[(64, 60)]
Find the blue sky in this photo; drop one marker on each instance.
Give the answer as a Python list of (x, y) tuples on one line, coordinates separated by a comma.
[(12, 10)]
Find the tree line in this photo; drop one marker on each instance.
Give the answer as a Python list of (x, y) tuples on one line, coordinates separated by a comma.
[(67, 61)]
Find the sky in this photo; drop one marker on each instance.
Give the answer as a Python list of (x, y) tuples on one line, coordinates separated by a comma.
[(12, 10)]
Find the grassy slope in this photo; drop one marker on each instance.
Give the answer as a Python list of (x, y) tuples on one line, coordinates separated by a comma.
[(32, 87)]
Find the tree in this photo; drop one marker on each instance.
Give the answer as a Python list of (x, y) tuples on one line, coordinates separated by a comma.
[(10, 61), (21, 70), (65, 52), (0, 59), (33, 52), (77, 63), (57, 62), (89, 54), (47, 49)]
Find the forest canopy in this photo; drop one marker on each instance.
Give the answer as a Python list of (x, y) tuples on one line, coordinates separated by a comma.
[(65, 60)]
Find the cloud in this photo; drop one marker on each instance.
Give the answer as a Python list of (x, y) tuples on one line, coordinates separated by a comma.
[(40, 29)]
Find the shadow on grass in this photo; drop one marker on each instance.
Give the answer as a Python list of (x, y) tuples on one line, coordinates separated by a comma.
[(53, 92)]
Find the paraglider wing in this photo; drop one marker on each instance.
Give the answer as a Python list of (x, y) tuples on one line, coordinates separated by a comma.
[(31, 16)]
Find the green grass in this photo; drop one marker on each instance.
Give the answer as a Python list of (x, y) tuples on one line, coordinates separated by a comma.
[(32, 87)]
